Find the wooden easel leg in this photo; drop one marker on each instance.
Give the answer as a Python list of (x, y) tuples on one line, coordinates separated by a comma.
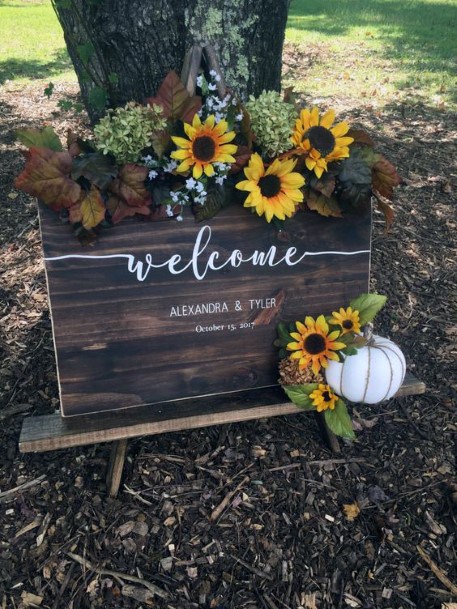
[(115, 467), (327, 434)]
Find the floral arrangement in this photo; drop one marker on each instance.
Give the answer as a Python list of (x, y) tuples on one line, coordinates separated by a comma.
[(306, 348), (205, 152)]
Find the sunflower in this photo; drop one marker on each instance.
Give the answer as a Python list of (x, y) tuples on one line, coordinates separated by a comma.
[(321, 142), (314, 344), (274, 191), (207, 144), (347, 319), (323, 398)]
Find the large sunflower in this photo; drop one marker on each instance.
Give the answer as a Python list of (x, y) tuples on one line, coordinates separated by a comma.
[(314, 344), (321, 142), (207, 144), (348, 320), (273, 192), (323, 398)]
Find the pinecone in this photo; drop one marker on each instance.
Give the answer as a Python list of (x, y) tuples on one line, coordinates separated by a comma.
[(290, 374)]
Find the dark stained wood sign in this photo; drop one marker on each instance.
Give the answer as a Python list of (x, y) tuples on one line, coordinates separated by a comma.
[(157, 312)]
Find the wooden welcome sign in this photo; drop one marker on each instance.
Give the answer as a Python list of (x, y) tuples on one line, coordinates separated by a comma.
[(158, 312)]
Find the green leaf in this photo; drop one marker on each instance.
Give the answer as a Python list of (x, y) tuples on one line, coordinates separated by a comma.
[(368, 306), (98, 98), (96, 167), (299, 394), (48, 91), (339, 421), (283, 334), (85, 52), (41, 138), (113, 78)]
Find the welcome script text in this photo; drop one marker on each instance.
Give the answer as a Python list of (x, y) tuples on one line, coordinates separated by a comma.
[(201, 264)]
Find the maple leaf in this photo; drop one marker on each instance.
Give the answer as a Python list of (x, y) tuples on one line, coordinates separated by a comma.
[(130, 187), (92, 209), (175, 100), (325, 185), (96, 167), (47, 177), (120, 210), (385, 177), (40, 138), (325, 206)]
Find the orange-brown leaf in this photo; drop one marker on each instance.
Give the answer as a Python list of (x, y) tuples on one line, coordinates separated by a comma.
[(360, 137), (326, 184), (75, 213), (46, 176), (120, 210), (385, 177), (175, 99), (387, 210), (130, 185), (242, 156), (92, 209), (73, 143), (325, 206)]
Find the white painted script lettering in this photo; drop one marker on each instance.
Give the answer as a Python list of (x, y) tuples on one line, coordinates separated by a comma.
[(176, 265)]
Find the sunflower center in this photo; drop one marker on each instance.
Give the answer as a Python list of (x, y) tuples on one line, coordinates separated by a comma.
[(314, 344), (326, 396), (321, 139), (270, 186), (203, 148), (347, 324)]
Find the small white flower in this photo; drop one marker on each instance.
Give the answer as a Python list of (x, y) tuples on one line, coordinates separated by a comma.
[(218, 116), (213, 73), (199, 80), (147, 159), (239, 117), (234, 102), (152, 174), (217, 78), (220, 180), (209, 103), (168, 210), (179, 218), (191, 183), (174, 196), (199, 187), (212, 87), (170, 166)]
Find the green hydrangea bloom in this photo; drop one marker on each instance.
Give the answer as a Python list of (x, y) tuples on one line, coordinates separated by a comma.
[(272, 121), (126, 131)]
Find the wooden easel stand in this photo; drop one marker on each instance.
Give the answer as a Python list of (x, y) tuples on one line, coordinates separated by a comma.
[(52, 432)]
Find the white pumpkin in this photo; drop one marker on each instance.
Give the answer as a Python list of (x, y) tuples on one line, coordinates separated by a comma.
[(371, 376)]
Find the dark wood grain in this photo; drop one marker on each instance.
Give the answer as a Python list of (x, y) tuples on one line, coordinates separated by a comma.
[(118, 344), (50, 432)]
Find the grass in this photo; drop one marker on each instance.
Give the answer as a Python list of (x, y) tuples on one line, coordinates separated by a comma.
[(373, 49), (378, 48), (31, 43)]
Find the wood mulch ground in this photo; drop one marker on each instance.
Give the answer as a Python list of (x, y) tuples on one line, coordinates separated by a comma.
[(249, 515)]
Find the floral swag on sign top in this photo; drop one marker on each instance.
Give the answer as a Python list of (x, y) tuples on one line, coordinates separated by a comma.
[(204, 152)]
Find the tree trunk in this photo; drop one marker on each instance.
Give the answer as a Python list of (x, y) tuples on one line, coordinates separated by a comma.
[(122, 49)]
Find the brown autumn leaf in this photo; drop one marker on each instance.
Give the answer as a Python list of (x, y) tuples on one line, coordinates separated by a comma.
[(130, 185), (73, 143), (325, 206), (326, 184), (175, 100), (385, 177), (386, 208), (360, 137), (351, 510), (75, 213), (242, 156), (47, 176), (92, 209), (120, 210)]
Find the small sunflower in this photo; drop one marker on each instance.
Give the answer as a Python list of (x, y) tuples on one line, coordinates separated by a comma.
[(321, 142), (314, 344), (323, 398), (347, 319), (273, 192), (207, 144)]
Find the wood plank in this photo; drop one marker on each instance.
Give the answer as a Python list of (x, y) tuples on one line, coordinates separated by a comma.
[(50, 432)]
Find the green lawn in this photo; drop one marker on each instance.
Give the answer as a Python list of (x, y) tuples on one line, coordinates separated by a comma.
[(31, 42), (378, 48), (383, 49)]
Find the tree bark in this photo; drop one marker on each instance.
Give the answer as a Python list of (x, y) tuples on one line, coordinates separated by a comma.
[(125, 48)]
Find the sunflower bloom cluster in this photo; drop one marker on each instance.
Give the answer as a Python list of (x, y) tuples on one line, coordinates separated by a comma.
[(347, 319), (274, 191), (314, 344), (323, 398), (319, 141), (207, 143)]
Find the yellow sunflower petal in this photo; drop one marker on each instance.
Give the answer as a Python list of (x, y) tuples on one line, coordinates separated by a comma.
[(183, 167), (197, 171), (181, 141), (321, 324), (300, 327), (189, 130), (181, 154), (196, 122), (293, 180), (314, 117), (328, 118), (340, 129), (208, 169), (305, 116), (210, 121), (227, 137)]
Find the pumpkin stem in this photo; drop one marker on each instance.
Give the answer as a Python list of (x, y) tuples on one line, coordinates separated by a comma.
[(368, 332)]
